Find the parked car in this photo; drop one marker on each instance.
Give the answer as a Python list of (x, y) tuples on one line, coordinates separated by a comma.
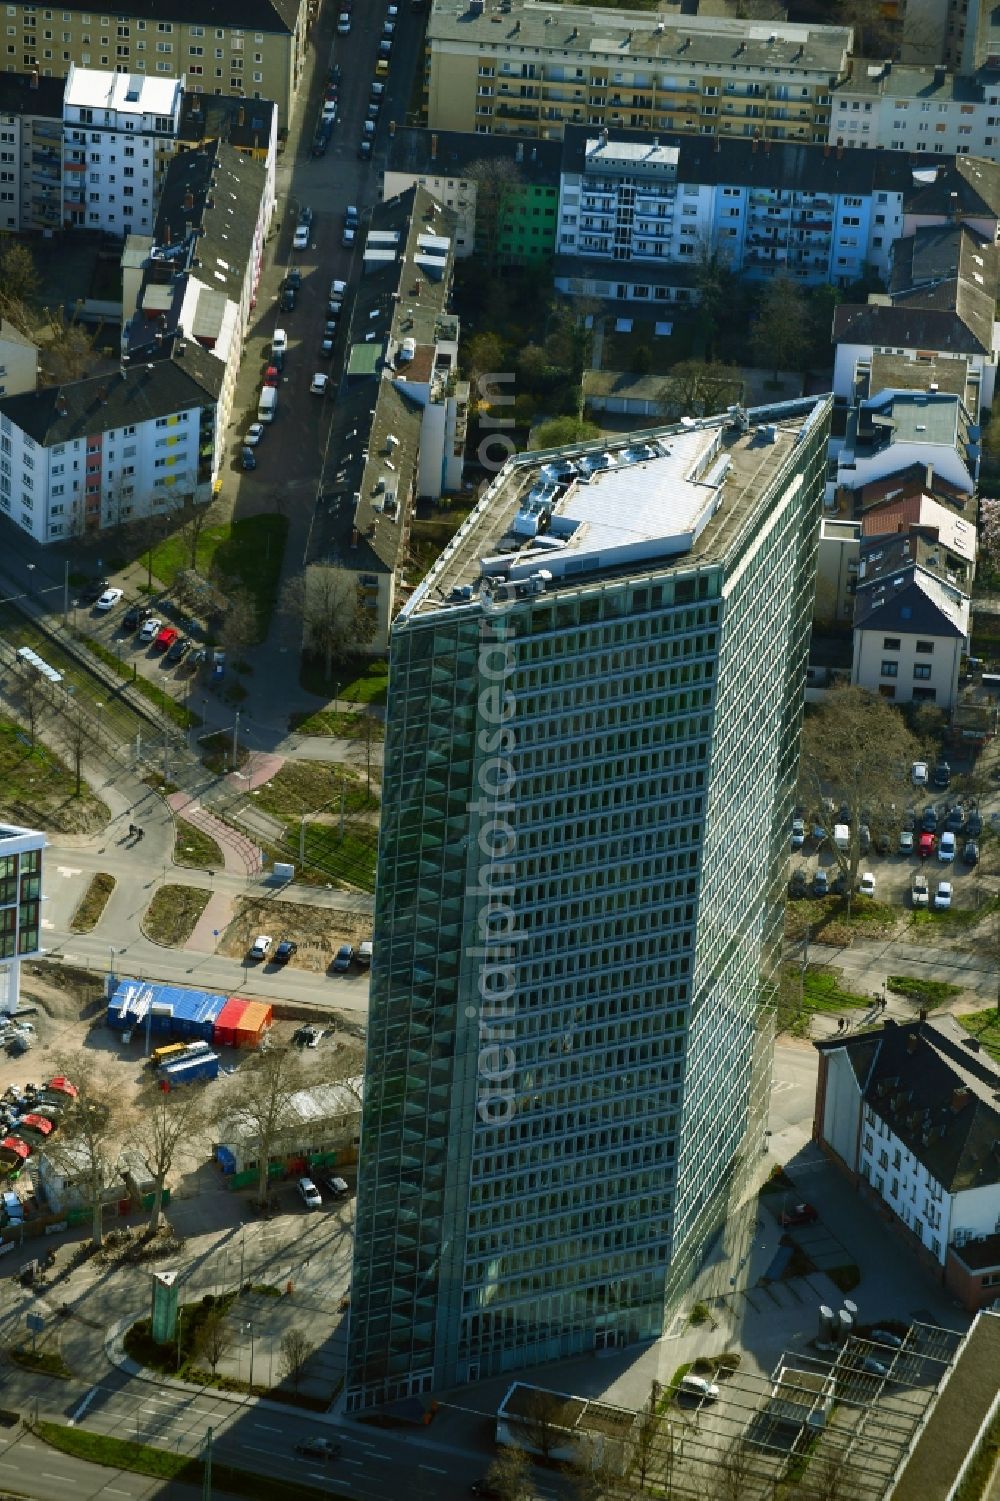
[(942, 774), (109, 599), (821, 883), (310, 1194), (320, 142), (883, 844), (261, 947), (942, 897), (929, 819), (864, 839), (287, 300), (293, 279), (351, 216), (884, 1337), (91, 593), (946, 846), (919, 892), (338, 1187), (919, 774), (347, 238), (165, 638), (365, 151), (150, 629), (179, 650), (974, 823), (797, 885), (272, 376), (335, 74), (330, 110), (838, 886), (867, 884), (330, 328), (955, 817), (326, 348), (319, 384), (798, 833), (970, 852), (699, 1388), (285, 950), (300, 239), (344, 24), (925, 845), (799, 1214), (279, 341), (306, 214), (254, 433), (248, 458), (343, 959), (135, 615), (906, 842)]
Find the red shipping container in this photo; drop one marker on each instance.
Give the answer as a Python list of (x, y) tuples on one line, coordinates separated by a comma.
[(253, 1024), (224, 1031)]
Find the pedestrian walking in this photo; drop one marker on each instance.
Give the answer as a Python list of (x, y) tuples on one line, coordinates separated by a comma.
[(131, 829)]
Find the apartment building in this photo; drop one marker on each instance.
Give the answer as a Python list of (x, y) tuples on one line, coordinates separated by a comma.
[(256, 48), (399, 426), (197, 280), (938, 316), (898, 430), (119, 134), (636, 211), (566, 1060), (929, 110), (20, 907), (911, 621), (30, 152), (519, 181), (960, 34), (910, 1114), (529, 67), (18, 360), (93, 453)]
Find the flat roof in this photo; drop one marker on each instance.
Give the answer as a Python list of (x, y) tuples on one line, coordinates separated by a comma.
[(127, 93), (559, 517), (954, 1423)]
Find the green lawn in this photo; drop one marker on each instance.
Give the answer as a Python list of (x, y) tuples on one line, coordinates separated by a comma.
[(247, 553), (338, 724), (349, 858), (369, 685), (39, 791), (927, 992), (986, 1026)]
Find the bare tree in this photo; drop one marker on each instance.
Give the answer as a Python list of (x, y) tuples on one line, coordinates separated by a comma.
[(646, 1433), (91, 1132), (733, 1473), (697, 388), (256, 1104), (162, 1120), (195, 517), (239, 627), (75, 735), (34, 699), (296, 1348), (67, 349), (541, 1417), (509, 1476), (856, 752), (215, 1336), (498, 181), (780, 334), (334, 620)]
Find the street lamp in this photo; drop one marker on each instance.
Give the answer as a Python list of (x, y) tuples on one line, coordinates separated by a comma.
[(98, 705), (114, 955), (249, 1326)]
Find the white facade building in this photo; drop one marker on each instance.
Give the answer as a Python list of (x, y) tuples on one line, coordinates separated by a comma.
[(913, 109), (18, 361), (903, 429), (93, 453), (911, 1112), (119, 133)]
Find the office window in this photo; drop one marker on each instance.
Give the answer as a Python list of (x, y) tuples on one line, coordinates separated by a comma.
[(925, 646), (921, 671), (890, 670), (890, 643)]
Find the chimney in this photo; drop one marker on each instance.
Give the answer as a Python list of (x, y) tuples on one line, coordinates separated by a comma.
[(959, 1098), (434, 148), (188, 201), (241, 115)]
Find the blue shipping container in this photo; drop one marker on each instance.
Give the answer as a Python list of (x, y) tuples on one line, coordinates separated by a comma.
[(177, 1012), (191, 1070)]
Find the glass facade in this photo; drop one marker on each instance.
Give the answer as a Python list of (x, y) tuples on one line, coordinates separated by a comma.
[(20, 897), (578, 911)]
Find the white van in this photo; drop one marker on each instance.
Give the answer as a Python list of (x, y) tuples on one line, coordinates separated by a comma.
[(268, 404)]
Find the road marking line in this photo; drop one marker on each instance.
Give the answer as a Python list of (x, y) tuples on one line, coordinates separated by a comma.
[(66, 1479), (433, 1468), (347, 1461), (267, 1428), (274, 1453), (342, 1480)]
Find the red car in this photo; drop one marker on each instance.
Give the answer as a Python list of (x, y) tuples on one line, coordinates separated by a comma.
[(800, 1214), (271, 376), (925, 847), (166, 638)]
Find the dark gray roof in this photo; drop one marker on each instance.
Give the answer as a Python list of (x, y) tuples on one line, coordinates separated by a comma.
[(447, 153), (58, 414), (27, 94), (395, 300), (243, 123), (644, 273), (250, 15), (911, 602), (881, 557), (963, 185), (936, 252), (910, 1081), (804, 168), (904, 326)]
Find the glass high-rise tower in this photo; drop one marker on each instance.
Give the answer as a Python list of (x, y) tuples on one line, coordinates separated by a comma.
[(591, 752)]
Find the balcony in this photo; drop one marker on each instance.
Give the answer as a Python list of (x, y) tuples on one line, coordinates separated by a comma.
[(517, 112)]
